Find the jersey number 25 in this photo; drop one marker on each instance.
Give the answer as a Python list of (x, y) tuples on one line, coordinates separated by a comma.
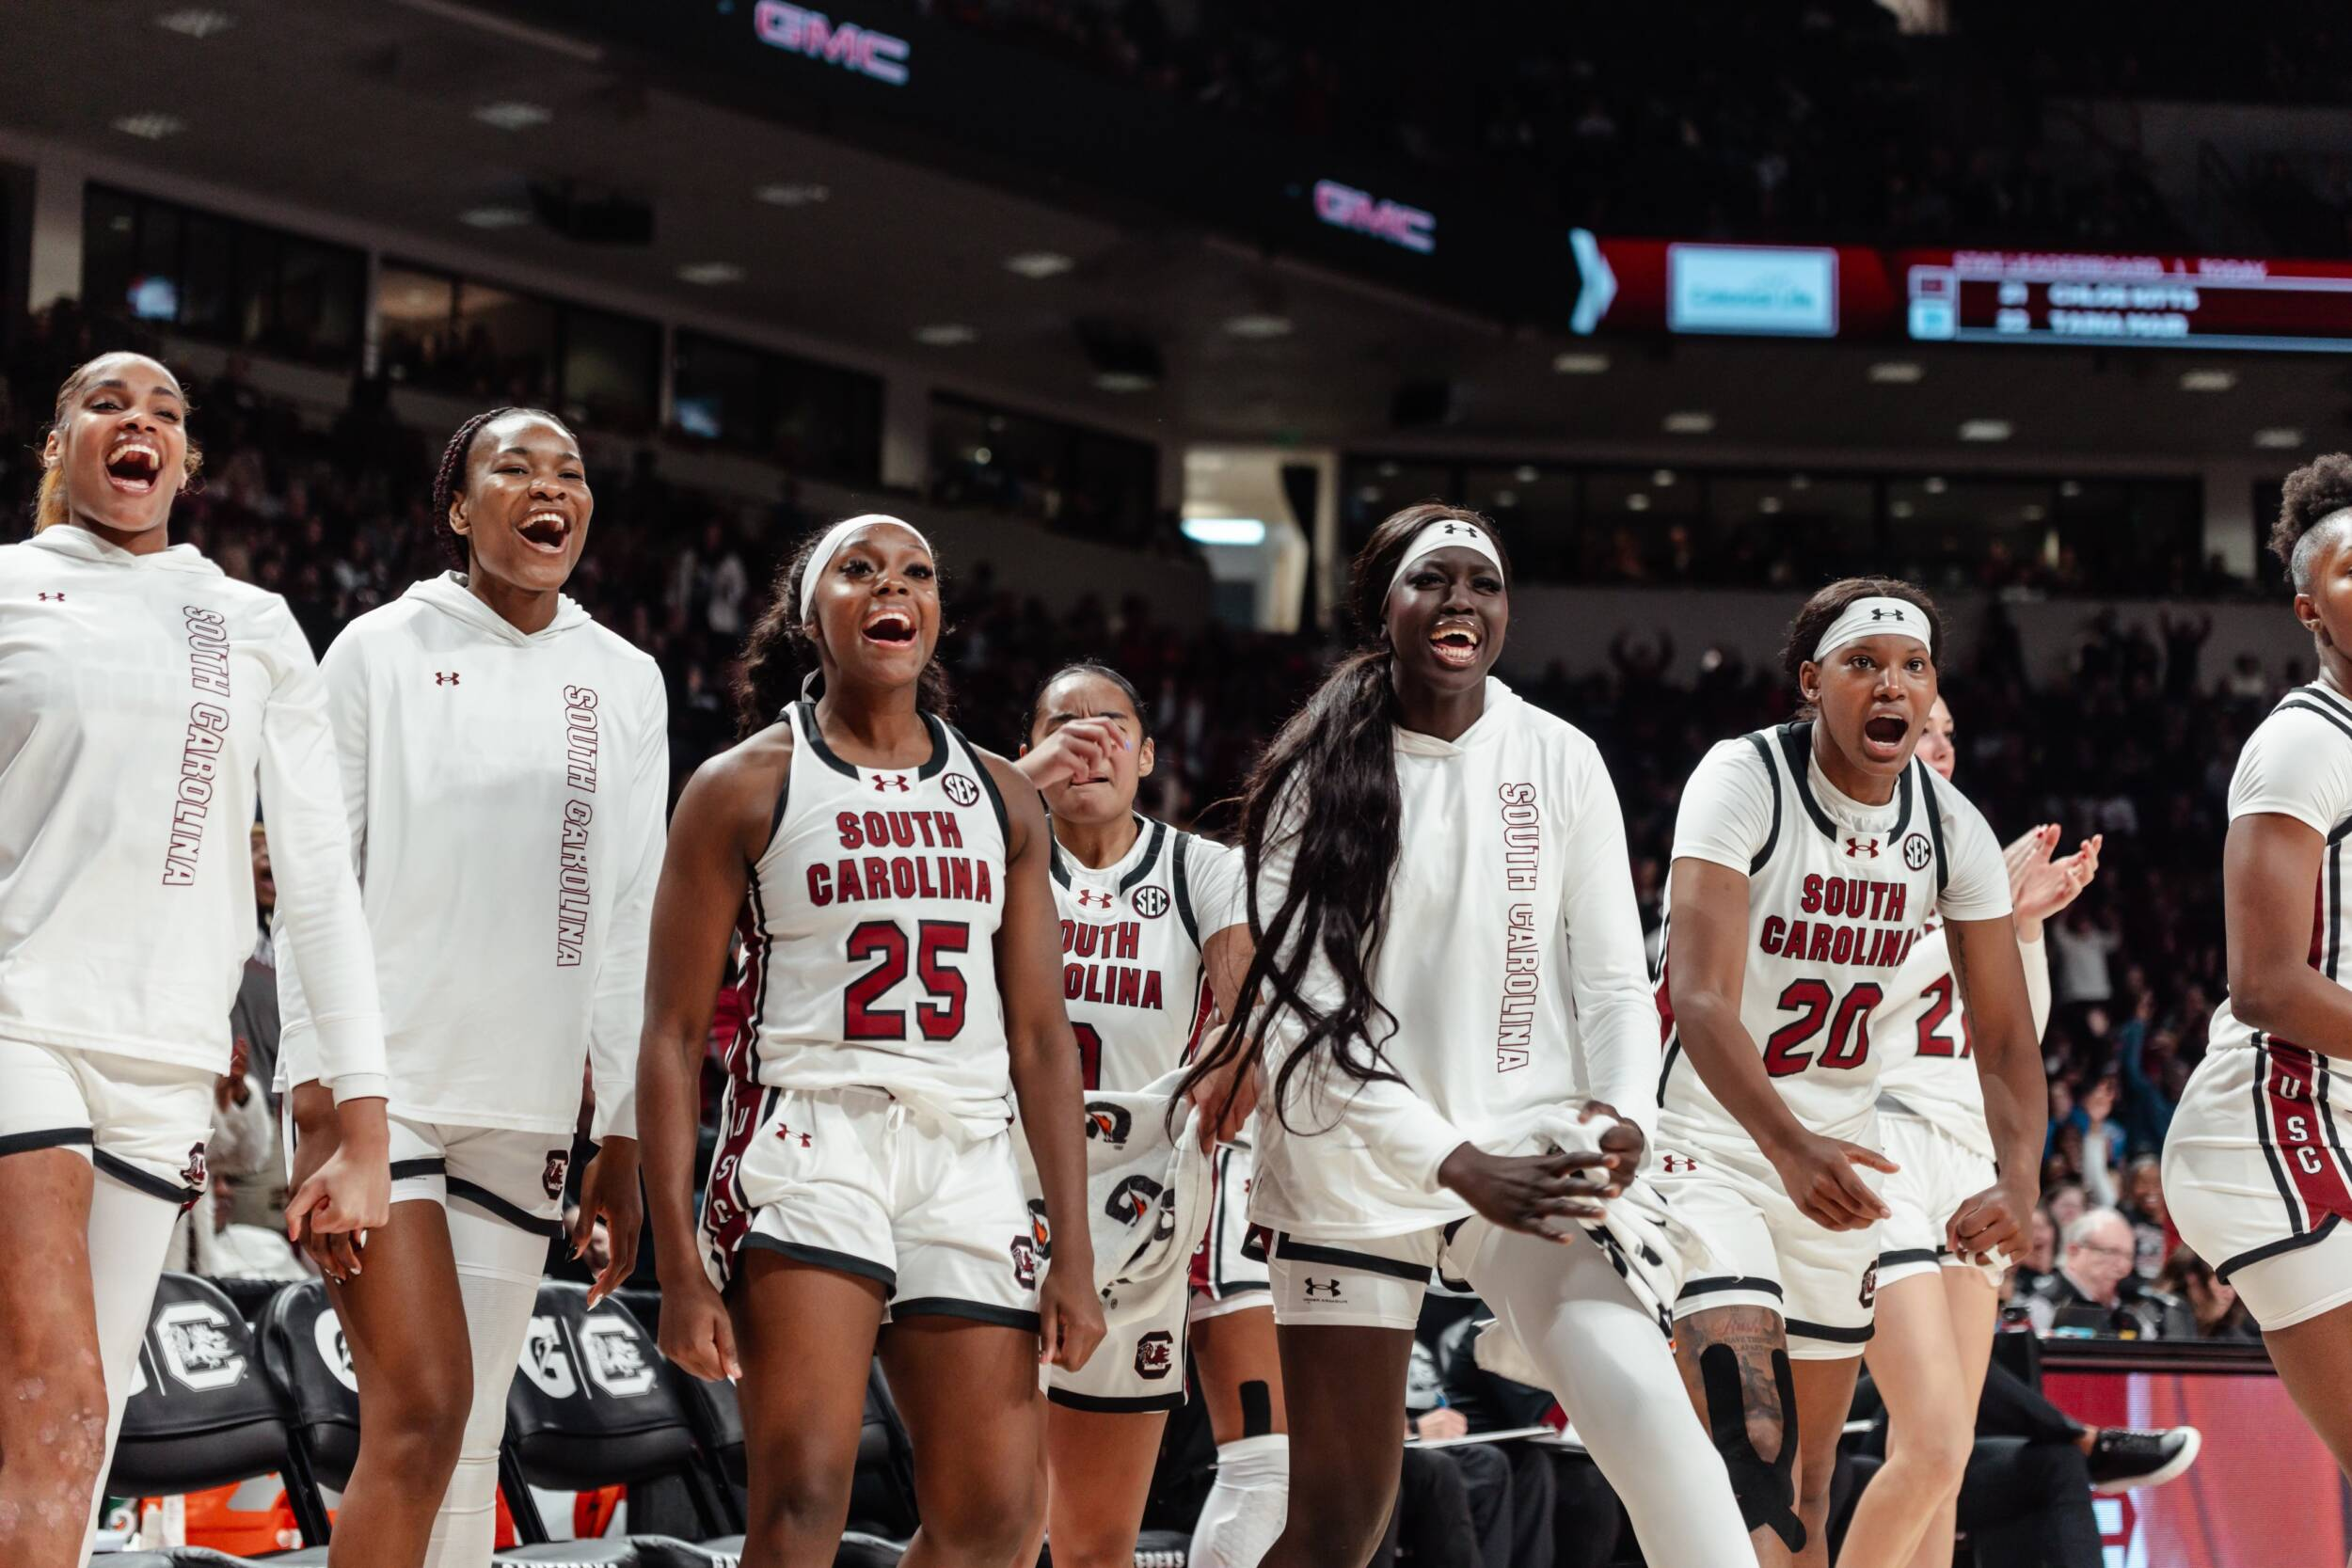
[(940, 1018)]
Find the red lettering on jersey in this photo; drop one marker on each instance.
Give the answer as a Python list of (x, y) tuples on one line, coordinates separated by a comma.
[(1810, 900), (1842, 944), (1069, 936), (959, 879), (846, 825), (848, 887), (1151, 990), (984, 893), (1794, 946), (1774, 928), (1073, 981), (1897, 895), (1131, 939), (819, 885), (950, 830), (1819, 952), (1130, 987)]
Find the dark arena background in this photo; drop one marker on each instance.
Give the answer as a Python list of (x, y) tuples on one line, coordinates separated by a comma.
[(1148, 312)]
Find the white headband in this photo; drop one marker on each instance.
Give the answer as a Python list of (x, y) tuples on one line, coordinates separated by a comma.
[(1873, 617), (830, 546), (1443, 534)]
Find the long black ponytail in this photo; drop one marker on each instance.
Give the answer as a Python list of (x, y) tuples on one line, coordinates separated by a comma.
[(779, 655), (1327, 783)]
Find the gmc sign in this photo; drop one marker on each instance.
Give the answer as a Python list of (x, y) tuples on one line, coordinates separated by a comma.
[(878, 55), (1346, 207)]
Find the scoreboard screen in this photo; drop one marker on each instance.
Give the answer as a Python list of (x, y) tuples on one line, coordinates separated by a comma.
[(1986, 296)]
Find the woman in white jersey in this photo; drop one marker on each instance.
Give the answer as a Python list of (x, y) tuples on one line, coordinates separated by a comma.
[(2255, 1170), (1154, 938), (1448, 987), (143, 698), (905, 991), (1808, 861), (505, 762), (1936, 1310)]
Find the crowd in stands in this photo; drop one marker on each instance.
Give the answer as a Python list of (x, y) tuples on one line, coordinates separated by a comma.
[(335, 519)]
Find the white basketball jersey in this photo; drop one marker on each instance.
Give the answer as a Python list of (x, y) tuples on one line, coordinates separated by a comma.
[(1131, 935), (871, 931), (1922, 1031), (1839, 896)]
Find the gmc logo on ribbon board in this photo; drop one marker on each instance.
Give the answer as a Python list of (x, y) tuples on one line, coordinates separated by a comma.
[(1346, 207), (878, 55)]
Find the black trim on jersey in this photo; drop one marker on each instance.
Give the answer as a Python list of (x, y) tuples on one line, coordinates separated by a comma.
[(1142, 868), (825, 1258), (2272, 1249), (938, 732), (406, 1170), (1771, 838), (1796, 744), (995, 796), (153, 1186), (1799, 1329), (1111, 1406), (1909, 1255), (956, 1306), (759, 949), (1717, 1284), (775, 818), (2323, 1077), (49, 1137), (1054, 861), (1180, 888), (1286, 1246), (2335, 893), (2266, 1136), (2329, 714), (1935, 828), (513, 1213)]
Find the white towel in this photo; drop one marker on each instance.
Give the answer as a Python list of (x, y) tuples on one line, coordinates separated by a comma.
[(1147, 1193)]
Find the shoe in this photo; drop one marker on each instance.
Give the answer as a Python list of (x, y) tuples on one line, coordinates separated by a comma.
[(2123, 1460)]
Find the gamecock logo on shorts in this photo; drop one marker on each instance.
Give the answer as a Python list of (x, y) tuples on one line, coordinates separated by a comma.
[(960, 788), (1155, 1353), (1109, 1122), (193, 1173), (1150, 902), (1917, 851), (559, 1161), (1870, 1284), (1040, 1232), (1023, 1262)]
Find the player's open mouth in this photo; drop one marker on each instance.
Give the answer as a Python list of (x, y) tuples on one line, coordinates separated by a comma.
[(1882, 735), (135, 465), (1455, 643), (546, 532), (889, 626)]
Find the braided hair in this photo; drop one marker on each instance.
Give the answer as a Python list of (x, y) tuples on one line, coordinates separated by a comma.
[(448, 481), (1328, 785), (779, 656)]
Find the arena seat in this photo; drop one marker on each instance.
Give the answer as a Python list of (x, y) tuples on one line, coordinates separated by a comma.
[(201, 1414), (306, 1363)]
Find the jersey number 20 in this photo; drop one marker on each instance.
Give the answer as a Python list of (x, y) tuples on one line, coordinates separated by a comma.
[(940, 1017), (1849, 1043)]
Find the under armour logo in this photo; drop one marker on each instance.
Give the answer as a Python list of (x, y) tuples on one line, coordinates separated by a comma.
[(785, 1134), (1088, 899), (47, 597), (1328, 1290), (1676, 1164), (1862, 846), (1887, 615), (445, 677), (891, 781)]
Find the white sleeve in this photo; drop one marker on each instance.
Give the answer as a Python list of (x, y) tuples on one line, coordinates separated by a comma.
[(344, 670), (1726, 810), (620, 1005), (1214, 881), (1616, 1012), (1976, 880), (2298, 764), (322, 933), (241, 1133), (1406, 1135), (2035, 955)]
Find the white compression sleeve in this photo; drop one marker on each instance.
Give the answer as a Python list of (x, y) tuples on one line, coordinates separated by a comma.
[(128, 1231), (1246, 1509), (1604, 1359), (498, 1279)]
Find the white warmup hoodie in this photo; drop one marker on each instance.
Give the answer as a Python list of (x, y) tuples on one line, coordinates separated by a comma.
[(141, 697), (508, 797), (1511, 962)]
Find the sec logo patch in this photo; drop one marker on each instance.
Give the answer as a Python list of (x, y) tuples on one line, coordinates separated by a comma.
[(960, 788), (1917, 851), (1150, 902)]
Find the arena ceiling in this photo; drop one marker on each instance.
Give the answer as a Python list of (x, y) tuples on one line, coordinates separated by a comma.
[(398, 113)]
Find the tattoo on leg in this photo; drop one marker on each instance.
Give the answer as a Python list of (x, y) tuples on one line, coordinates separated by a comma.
[(1751, 1404)]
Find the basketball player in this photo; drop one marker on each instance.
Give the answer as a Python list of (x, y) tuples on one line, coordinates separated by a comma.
[(1936, 1311), (2255, 1172), (905, 976), (1808, 860), (143, 698), (1449, 965), (505, 760), (1154, 938)]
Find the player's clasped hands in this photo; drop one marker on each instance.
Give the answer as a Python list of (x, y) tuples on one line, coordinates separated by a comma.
[(1822, 1180), (1538, 1194), (1987, 1224)]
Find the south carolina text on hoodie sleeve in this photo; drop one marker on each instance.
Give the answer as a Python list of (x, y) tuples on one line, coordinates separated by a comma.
[(620, 1001)]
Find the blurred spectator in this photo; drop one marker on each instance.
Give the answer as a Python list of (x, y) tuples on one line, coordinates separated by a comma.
[(253, 1023), (243, 1135), (2219, 1313), (2095, 1290)]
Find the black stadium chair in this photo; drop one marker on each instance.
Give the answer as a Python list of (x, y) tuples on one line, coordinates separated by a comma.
[(305, 1358), (202, 1415)]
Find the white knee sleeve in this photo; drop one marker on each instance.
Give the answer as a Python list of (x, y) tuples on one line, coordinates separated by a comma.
[(498, 1279), (129, 1233), (1603, 1359), (1247, 1507)]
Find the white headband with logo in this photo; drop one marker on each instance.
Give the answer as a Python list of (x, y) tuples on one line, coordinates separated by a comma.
[(830, 546), (1873, 617), (1445, 532)]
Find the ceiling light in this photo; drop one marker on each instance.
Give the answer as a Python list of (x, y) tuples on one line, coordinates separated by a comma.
[(1507, 499), (196, 21), (1258, 324), (944, 334), (150, 127), (1986, 430), (2277, 437), (794, 195), (1933, 485), (1769, 506), (1663, 478), (494, 217), (2034, 511), (1636, 501), (710, 274), (982, 457), (2070, 488), (1207, 462), (1224, 530), (1801, 481), (1900, 509), (1579, 362), (1124, 381), (1525, 473), (1690, 422), (1369, 494), (1038, 265), (1388, 470), (1897, 372), (2208, 380), (511, 116)]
